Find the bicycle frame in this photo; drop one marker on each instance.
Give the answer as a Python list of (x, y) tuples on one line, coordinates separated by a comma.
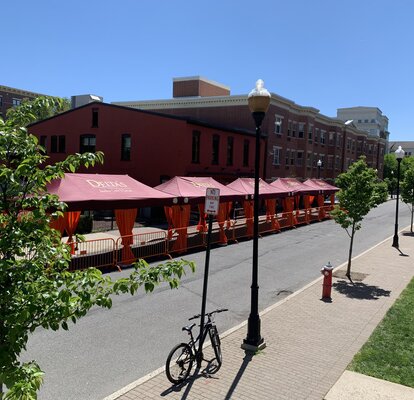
[(198, 351)]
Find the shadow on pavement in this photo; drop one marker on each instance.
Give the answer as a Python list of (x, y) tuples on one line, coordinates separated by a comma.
[(247, 358), (359, 290), (187, 385)]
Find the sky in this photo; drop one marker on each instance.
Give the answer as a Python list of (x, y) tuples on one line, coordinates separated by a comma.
[(326, 54)]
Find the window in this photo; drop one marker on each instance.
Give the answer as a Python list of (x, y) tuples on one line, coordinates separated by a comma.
[(16, 102), (87, 144), (289, 132), (276, 155), (54, 144), (195, 148), (337, 162), (366, 121), (1, 101), (301, 131), (62, 144), (299, 158), (246, 145), (316, 138), (294, 128), (287, 156), (330, 162), (331, 138), (278, 125), (43, 142), (322, 140), (292, 157), (310, 132), (348, 144), (216, 149), (230, 142), (95, 117), (359, 121), (373, 121), (126, 147), (309, 159)]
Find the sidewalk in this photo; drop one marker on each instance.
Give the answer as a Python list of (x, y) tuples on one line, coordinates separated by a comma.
[(309, 342)]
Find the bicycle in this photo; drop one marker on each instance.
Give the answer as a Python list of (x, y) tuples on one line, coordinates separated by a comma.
[(182, 356)]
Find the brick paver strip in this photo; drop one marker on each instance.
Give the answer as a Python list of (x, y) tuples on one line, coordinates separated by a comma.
[(309, 342)]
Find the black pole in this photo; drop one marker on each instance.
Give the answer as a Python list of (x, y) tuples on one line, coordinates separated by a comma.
[(319, 171), (203, 302), (395, 240), (254, 340)]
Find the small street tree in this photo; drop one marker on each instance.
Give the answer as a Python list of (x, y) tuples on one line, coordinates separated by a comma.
[(36, 288), (360, 191), (407, 191)]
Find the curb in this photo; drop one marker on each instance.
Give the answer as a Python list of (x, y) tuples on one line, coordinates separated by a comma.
[(149, 376)]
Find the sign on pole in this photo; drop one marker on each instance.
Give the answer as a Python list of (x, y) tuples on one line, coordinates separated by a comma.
[(211, 206)]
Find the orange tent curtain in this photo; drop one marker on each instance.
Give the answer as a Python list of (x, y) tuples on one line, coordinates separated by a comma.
[(71, 222), (229, 208), (332, 200), (307, 204), (271, 214), (321, 200), (222, 216), (202, 226), (58, 224), (248, 213), (180, 217), (311, 198), (288, 207), (125, 220)]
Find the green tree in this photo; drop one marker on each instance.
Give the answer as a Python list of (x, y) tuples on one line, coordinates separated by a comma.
[(36, 288), (407, 191), (360, 191)]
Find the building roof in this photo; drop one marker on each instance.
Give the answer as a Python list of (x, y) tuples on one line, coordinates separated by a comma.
[(136, 110)]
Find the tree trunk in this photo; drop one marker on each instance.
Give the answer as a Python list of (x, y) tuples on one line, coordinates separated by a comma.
[(348, 270), (412, 212)]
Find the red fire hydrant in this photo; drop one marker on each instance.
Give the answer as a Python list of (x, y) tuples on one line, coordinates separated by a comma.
[(326, 271)]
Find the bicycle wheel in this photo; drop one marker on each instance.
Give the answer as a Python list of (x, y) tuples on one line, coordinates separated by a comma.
[(215, 343), (179, 363)]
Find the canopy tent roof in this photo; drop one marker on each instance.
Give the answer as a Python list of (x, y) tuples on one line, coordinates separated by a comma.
[(321, 185), (192, 189), (294, 186), (99, 191), (246, 186)]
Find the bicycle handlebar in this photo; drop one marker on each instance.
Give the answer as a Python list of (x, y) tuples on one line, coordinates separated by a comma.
[(209, 314)]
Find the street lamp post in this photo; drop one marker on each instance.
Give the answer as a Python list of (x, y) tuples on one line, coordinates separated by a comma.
[(319, 164), (399, 154), (259, 100)]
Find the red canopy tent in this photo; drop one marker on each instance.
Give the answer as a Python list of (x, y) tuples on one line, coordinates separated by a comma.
[(96, 191), (266, 191), (297, 189), (192, 190), (325, 187)]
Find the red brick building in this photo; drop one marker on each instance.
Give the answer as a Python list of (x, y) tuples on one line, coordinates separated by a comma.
[(297, 136), (148, 146), (12, 97)]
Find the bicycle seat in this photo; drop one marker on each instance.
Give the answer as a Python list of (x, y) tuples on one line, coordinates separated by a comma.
[(188, 327)]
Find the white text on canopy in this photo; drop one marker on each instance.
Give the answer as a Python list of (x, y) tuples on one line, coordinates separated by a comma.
[(211, 206)]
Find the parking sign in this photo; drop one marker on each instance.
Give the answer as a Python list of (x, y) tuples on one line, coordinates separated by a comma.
[(211, 206)]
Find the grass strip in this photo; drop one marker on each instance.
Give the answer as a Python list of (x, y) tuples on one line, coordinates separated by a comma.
[(389, 352)]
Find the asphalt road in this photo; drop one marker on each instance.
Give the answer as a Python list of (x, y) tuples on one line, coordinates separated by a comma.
[(109, 349)]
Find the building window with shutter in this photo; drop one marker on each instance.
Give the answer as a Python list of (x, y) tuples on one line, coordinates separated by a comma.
[(62, 144), (215, 150), (53, 144), (195, 148), (230, 142), (126, 147), (276, 155), (95, 117), (246, 146)]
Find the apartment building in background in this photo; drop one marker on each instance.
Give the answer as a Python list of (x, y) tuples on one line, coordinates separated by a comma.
[(12, 97), (296, 137)]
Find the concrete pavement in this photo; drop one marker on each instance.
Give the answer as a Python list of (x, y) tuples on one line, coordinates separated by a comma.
[(309, 342)]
